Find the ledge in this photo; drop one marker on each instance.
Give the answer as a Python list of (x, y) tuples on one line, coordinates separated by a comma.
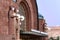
[(33, 33)]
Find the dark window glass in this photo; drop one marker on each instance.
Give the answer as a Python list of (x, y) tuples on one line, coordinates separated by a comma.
[(23, 23)]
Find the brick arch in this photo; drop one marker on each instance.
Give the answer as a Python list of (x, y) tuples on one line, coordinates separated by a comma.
[(28, 14)]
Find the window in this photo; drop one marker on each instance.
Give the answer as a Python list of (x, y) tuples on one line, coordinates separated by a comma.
[(23, 23)]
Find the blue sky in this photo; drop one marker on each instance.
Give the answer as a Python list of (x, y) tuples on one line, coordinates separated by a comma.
[(50, 9)]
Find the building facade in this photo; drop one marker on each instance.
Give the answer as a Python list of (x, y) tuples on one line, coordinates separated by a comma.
[(42, 26), (54, 32), (19, 20)]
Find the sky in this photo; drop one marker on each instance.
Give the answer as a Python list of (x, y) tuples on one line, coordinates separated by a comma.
[(50, 9)]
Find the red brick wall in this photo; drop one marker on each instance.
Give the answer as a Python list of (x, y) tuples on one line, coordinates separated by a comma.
[(5, 37), (3, 17), (41, 28), (4, 8), (6, 24), (41, 24)]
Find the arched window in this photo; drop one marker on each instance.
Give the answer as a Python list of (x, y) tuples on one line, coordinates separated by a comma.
[(22, 13)]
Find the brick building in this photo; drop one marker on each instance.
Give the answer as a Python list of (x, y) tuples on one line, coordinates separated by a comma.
[(54, 32), (19, 20)]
